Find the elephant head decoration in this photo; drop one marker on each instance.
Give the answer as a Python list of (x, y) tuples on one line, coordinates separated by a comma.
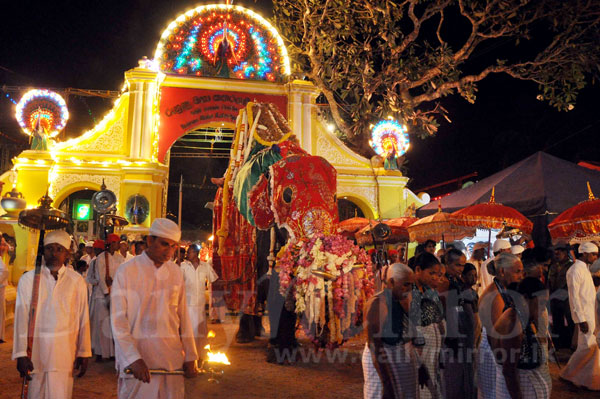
[(271, 181)]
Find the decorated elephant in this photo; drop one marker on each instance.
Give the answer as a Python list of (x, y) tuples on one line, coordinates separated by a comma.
[(276, 198)]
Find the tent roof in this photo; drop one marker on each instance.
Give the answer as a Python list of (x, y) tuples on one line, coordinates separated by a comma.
[(538, 184)]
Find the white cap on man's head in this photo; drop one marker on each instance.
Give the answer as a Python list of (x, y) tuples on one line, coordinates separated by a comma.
[(89, 244), (165, 228), (587, 248), (517, 249), (500, 244), (58, 237)]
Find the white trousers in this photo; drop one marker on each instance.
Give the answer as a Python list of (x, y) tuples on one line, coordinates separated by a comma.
[(159, 387), (2, 312), (583, 368), (51, 385), (102, 340)]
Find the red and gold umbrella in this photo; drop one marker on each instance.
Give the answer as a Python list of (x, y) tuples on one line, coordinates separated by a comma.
[(398, 226), (491, 215), (579, 221), (438, 227), (352, 225)]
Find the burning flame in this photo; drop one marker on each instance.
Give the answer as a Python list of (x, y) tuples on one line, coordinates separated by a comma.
[(211, 334), (218, 357)]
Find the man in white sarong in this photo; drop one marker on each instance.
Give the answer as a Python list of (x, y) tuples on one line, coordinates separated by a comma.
[(196, 274), (3, 283), (62, 333), (485, 277), (101, 279), (150, 321), (583, 368)]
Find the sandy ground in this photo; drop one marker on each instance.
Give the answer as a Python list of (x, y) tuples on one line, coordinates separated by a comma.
[(322, 375)]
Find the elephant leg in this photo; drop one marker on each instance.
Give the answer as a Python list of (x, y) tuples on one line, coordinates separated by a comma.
[(282, 323), (246, 330)]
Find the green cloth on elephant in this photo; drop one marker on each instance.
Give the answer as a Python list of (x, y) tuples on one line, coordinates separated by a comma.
[(249, 174)]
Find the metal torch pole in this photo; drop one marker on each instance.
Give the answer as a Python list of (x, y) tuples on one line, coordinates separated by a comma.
[(33, 308), (180, 199)]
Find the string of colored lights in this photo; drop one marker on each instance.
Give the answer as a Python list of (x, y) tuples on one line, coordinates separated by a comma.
[(389, 136), (225, 41), (12, 100)]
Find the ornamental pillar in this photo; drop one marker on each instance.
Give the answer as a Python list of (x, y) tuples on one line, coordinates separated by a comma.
[(143, 84)]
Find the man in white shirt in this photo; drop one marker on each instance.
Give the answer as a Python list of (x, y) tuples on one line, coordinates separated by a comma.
[(62, 334), (477, 258), (124, 251), (102, 341), (485, 277), (89, 252), (150, 321), (583, 368), (196, 274)]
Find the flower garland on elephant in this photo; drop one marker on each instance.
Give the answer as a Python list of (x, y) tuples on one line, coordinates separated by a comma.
[(326, 280)]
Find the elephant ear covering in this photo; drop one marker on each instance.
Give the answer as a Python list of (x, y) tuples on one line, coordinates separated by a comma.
[(303, 192), (249, 175)]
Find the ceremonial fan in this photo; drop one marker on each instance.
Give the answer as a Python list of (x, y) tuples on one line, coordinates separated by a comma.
[(42, 218)]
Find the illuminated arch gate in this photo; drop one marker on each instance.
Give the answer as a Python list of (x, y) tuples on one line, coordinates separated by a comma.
[(210, 61)]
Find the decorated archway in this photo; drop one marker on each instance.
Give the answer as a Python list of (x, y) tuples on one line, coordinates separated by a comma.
[(222, 41), (209, 63)]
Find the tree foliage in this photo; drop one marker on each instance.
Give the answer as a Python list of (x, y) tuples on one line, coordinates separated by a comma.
[(375, 58)]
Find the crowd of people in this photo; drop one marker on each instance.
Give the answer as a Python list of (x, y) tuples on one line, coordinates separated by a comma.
[(145, 310), (445, 327), (442, 325)]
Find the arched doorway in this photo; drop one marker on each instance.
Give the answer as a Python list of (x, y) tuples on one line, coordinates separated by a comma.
[(197, 156), (348, 209)]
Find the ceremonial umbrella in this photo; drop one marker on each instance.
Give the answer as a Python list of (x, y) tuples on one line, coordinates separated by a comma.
[(42, 218), (352, 225), (491, 215), (398, 231), (438, 227), (580, 222)]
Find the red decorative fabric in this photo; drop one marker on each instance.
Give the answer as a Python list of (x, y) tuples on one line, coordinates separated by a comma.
[(260, 204), (352, 225), (581, 220), (491, 215), (236, 268), (303, 196), (289, 148)]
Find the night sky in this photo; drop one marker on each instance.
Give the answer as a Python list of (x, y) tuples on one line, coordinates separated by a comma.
[(91, 44)]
